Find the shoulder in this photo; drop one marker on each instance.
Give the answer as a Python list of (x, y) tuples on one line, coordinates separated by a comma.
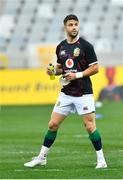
[(61, 44), (85, 43)]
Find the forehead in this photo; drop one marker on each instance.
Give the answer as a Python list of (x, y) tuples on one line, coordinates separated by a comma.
[(72, 21)]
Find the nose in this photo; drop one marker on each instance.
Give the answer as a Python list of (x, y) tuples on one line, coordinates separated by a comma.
[(74, 27)]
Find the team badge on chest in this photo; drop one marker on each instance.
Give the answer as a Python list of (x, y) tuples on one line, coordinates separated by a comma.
[(76, 52), (63, 53), (69, 63)]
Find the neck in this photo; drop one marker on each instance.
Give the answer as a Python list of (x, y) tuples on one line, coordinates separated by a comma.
[(72, 40)]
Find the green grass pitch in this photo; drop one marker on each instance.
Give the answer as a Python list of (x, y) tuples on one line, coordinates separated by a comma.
[(72, 156)]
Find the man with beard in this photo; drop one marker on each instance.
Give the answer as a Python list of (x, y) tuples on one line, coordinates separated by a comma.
[(76, 61)]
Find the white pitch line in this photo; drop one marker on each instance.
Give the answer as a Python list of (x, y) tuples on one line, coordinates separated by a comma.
[(57, 152), (80, 135), (56, 170), (42, 169), (32, 152), (109, 169), (120, 150), (20, 152)]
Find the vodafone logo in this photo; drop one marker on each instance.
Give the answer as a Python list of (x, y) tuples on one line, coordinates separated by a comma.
[(69, 63)]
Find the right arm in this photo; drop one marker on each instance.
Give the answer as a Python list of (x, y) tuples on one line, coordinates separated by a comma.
[(57, 70)]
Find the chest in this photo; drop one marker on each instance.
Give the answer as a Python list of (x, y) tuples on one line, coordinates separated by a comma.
[(72, 56), (74, 51)]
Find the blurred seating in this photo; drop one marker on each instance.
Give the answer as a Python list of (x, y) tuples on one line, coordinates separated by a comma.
[(24, 22)]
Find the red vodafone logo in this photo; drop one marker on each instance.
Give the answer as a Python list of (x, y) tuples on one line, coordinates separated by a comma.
[(69, 63)]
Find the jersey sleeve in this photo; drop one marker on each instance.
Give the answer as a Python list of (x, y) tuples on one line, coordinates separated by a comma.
[(91, 55), (57, 55)]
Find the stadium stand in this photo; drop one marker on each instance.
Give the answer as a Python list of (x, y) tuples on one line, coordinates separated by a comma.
[(27, 22)]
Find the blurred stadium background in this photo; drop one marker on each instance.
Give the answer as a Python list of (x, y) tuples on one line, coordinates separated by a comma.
[(26, 24), (29, 33)]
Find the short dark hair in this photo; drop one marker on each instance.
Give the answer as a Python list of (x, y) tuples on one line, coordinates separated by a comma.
[(70, 17)]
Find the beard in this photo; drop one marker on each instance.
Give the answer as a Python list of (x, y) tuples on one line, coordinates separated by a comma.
[(73, 34)]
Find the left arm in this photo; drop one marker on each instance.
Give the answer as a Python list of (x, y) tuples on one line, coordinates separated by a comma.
[(91, 70)]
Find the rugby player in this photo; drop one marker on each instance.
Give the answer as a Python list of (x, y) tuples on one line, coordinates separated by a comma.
[(76, 62)]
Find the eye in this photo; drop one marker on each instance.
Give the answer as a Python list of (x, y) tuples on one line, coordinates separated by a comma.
[(70, 24)]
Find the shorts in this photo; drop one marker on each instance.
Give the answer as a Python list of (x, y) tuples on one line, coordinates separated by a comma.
[(69, 104)]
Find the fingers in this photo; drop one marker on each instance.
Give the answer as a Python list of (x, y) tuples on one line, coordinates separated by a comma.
[(69, 76), (66, 75), (49, 72)]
